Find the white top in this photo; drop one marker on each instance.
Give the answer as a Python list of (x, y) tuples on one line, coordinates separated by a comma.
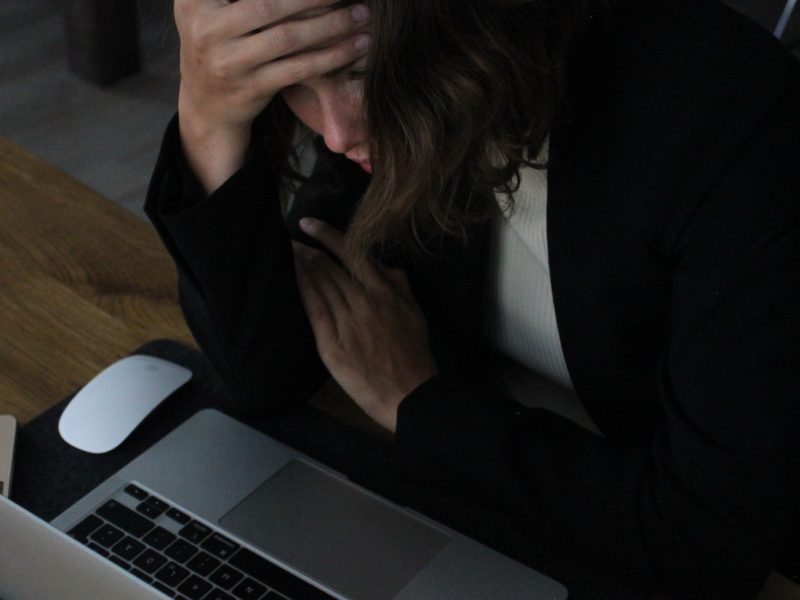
[(521, 322)]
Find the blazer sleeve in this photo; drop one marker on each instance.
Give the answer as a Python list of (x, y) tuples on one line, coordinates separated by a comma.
[(703, 511), (236, 277)]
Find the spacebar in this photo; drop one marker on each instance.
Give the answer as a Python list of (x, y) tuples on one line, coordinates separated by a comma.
[(273, 576)]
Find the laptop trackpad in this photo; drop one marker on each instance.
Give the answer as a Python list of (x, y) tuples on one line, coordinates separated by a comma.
[(354, 543)]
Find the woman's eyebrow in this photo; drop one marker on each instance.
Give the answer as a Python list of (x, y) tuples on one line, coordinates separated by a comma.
[(339, 70)]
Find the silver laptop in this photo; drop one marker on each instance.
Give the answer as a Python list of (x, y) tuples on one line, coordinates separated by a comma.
[(38, 562), (217, 510)]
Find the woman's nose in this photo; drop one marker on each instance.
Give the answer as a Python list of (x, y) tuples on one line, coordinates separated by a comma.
[(343, 127)]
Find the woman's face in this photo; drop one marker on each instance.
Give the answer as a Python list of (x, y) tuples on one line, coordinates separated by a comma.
[(332, 106)]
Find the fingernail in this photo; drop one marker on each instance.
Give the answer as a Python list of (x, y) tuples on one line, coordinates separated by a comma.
[(360, 13), (308, 224), (361, 42)]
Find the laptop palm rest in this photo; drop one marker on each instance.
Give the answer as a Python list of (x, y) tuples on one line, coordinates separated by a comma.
[(356, 543)]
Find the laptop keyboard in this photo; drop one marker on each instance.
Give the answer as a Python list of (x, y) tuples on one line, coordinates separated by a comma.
[(183, 557)]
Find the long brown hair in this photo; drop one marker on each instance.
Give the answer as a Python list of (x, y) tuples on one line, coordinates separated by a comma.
[(459, 94)]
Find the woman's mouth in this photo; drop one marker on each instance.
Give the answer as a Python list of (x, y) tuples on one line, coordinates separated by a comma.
[(364, 163)]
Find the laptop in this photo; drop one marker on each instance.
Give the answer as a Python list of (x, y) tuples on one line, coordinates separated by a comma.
[(217, 510)]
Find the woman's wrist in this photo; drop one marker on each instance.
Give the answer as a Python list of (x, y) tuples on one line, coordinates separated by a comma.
[(213, 153)]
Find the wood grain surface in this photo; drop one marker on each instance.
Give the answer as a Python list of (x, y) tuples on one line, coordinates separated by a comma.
[(82, 283)]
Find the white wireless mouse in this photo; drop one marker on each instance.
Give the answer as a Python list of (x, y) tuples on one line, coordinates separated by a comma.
[(107, 410)]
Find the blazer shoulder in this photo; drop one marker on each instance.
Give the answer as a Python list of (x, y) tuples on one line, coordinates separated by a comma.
[(662, 95), (683, 55)]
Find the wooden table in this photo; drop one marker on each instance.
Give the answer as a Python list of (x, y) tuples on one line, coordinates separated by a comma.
[(82, 283)]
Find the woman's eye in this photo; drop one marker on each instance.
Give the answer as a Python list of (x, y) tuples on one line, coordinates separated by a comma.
[(357, 74)]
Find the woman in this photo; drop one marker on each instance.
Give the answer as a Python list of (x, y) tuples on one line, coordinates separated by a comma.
[(606, 194)]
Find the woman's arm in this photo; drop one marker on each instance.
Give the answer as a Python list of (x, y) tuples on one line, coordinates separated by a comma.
[(236, 277), (704, 510), (233, 255), (231, 248)]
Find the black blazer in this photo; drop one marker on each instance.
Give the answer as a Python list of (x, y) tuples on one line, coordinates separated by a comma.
[(674, 241)]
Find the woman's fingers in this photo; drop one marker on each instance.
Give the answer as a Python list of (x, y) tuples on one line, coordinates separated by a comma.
[(373, 341), (328, 236), (229, 78), (289, 71), (328, 279), (297, 36), (320, 313), (242, 17), (374, 277), (307, 40)]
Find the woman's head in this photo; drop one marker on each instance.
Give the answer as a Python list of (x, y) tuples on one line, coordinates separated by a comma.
[(451, 98)]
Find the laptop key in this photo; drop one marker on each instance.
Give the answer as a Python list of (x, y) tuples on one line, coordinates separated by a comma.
[(99, 549), (141, 575), (203, 564), (194, 588), (195, 532), (164, 589), (124, 518), (226, 577), (119, 562), (271, 574), (218, 595), (107, 535), (220, 546), (157, 503), (178, 516), (181, 551), (172, 574), (249, 589), (150, 561), (82, 530), (149, 511), (159, 538), (136, 492), (128, 548)]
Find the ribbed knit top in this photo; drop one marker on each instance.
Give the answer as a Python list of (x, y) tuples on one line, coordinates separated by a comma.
[(521, 320)]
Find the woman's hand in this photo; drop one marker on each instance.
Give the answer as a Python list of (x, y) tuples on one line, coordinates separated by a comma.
[(235, 56), (371, 334)]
